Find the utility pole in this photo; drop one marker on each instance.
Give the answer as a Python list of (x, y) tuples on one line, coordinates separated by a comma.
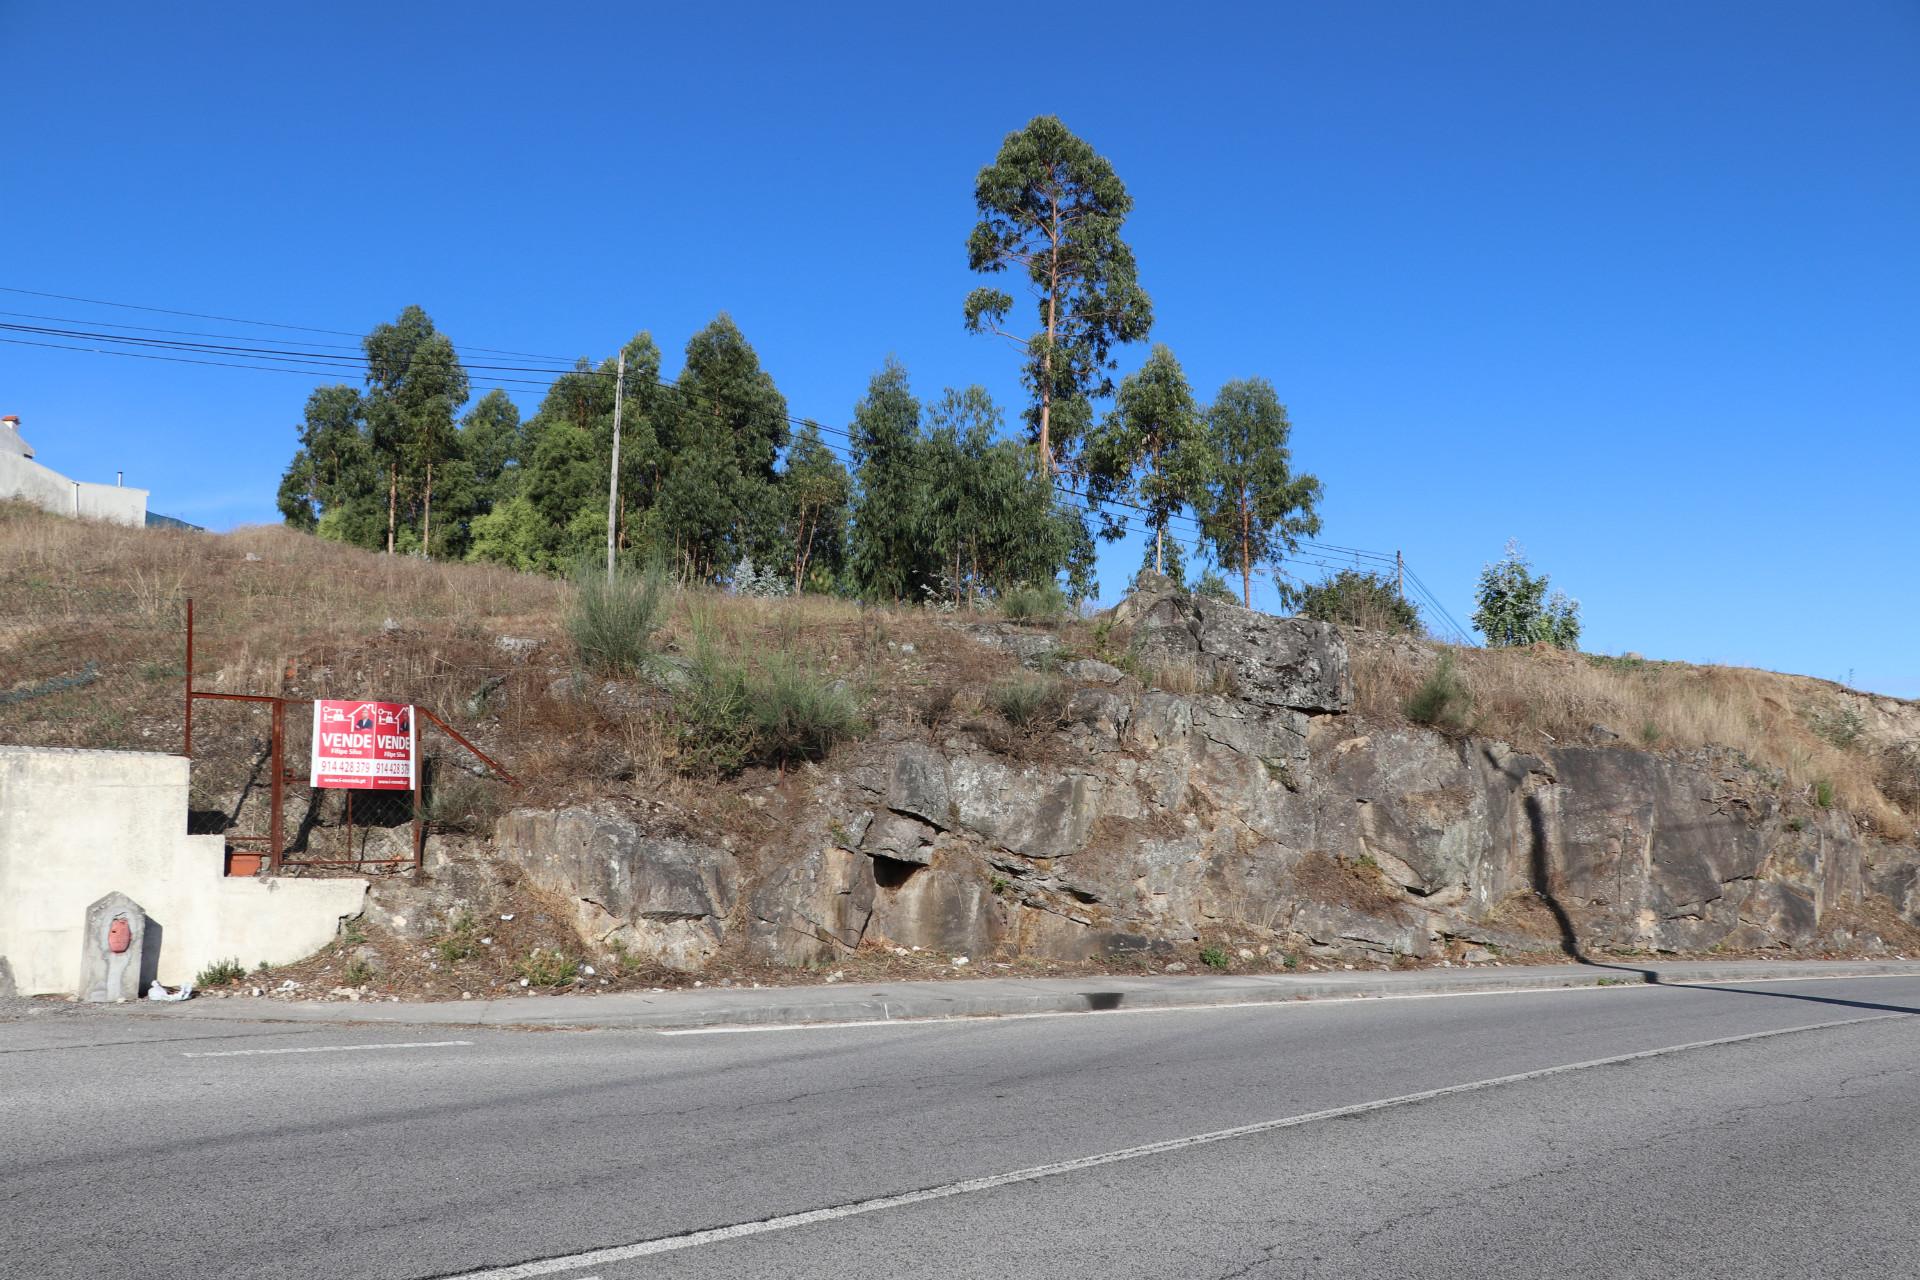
[(613, 474), (1399, 570)]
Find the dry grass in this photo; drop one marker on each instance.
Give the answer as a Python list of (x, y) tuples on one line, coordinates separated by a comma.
[(1539, 697)]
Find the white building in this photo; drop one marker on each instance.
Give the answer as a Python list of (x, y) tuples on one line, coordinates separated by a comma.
[(22, 477)]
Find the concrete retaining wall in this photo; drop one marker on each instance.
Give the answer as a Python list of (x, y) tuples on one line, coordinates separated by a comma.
[(46, 488), (77, 825)]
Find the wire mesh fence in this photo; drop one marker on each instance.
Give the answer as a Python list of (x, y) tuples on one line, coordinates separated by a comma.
[(108, 668)]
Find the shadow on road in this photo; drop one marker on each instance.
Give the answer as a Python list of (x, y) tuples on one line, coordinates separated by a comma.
[(1570, 940)]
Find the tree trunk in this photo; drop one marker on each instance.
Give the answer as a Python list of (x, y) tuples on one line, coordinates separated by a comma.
[(1046, 361), (1246, 543), (426, 518), (393, 500)]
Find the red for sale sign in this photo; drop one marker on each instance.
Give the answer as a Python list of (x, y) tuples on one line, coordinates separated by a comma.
[(364, 745)]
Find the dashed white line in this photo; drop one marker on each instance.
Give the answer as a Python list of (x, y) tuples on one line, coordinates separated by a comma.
[(786, 1222), (331, 1048)]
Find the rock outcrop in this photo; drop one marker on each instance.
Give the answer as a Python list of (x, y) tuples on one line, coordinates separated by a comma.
[(1258, 810)]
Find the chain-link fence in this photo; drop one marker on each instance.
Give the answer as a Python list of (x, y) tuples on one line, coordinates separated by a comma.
[(110, 668)]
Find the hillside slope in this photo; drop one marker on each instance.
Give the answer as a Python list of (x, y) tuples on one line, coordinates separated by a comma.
[(1173, 780)]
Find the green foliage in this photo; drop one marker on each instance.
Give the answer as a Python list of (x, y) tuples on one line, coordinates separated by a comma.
[(415, 386), (891, 557), (1152, 452), (358, 972), (1442, 700), (1036, 602), (543, 968), (612, 620), (1364, 600), (1212, 586), (1839, 725), (1051, 207), (1823, 794), (1215, 958), (219, 973), (773, 708), (816, 494), (1515, 609), (460, 941), (1028, 702), (1256, 507)]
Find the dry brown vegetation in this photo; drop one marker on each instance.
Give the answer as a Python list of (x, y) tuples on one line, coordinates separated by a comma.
[(1813, 734), (92, 626)]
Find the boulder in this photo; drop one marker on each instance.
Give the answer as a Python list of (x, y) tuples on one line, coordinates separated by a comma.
[(1296, 663), (918, 785)]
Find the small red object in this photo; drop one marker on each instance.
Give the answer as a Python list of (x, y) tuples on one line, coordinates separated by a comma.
[(119, 935)]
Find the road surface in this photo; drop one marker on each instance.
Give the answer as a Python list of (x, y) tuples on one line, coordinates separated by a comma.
[(1758, 1130)]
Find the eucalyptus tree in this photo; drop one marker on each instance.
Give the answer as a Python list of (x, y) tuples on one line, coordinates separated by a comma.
[(890, 558), (730, 420), (415, 386), (1052, 208), (333, 467), (816, 490), (1152, 448), (1257, 507)]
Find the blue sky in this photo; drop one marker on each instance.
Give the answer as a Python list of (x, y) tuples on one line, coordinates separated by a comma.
[(1636, 283)]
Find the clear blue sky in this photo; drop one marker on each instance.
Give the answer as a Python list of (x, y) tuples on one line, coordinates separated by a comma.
[(1636, 283)]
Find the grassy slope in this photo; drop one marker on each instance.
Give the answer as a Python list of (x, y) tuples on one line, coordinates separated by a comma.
[(281, 612)]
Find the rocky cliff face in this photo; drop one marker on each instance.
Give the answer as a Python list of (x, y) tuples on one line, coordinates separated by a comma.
[(1261, 814)]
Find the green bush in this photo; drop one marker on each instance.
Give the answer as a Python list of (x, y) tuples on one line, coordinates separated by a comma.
[(219, 973), (542, 968), (1040, 602), (736, 711), (1212, 586), (1214, 957), (1365, 600), (1823, 794), (1028, 701), (612, 621), (1442, 700)]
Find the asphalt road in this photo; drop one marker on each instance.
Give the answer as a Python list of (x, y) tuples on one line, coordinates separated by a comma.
[(1765, 1130)]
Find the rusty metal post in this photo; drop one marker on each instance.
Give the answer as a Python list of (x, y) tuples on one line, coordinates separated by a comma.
[(419, 838), (350, 850), (275, 829), (187, 747)]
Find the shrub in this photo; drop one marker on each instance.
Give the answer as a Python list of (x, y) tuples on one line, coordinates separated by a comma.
[(1214, 957), (1365, 600), (459, 942), (1442, 699), (612, 621), (1823, 793), (1028, 701), (1040, 602), (219, 973), (1514, 607), (543, 968), (1214, 587), (734, 711)]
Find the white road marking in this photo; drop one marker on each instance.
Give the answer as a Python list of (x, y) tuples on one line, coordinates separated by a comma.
[(1290, 1002), (330, 1048), (786, 1222)]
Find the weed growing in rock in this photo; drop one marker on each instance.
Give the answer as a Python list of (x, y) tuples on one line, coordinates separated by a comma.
[(772, 709), (358, 973), (1214, 957), (1823, 793)]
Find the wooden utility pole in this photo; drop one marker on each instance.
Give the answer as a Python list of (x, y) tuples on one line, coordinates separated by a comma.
[(1400, 573), (613, 474)]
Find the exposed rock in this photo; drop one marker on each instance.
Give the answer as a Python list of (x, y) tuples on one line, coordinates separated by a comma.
[(1093, 671), (1295, 663), (665, 899), (899, 837), (1041, 813), (919, 785), (813, 909)]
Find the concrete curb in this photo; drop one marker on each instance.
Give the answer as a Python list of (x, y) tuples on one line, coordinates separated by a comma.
[(999, 997)]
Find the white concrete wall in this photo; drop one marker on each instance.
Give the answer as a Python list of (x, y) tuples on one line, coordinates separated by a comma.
[(77, 825), (46, 488)]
